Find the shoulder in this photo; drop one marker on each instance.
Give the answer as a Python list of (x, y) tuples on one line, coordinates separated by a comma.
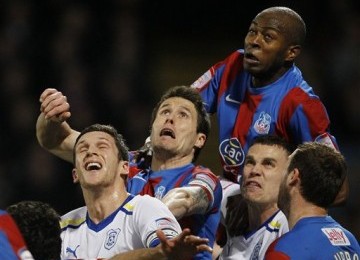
[(203, 174), (73, 218), (199, 169), (141, 202), (234, 62), (279, 223), (273, 253), (238, 54)]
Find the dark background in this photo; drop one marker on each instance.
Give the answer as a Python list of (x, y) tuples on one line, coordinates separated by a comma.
[(113, 60)]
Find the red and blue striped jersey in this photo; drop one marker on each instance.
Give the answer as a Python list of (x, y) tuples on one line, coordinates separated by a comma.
[(287, 107), (12, 244), (315, 238), (159, 183)]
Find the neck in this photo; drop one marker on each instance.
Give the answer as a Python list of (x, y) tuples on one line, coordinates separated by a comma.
[(269, 78), (302, 209), (100, 204), (258, 214), (163, 163)]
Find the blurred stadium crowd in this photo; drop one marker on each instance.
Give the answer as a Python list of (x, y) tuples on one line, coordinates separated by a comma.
[(113, 59)]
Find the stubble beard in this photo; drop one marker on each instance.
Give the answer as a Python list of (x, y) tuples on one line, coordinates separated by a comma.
[(284, 199)]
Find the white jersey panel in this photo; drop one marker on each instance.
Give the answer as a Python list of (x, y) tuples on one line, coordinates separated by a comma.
[(229, 188), (132, 226), (254, 245)]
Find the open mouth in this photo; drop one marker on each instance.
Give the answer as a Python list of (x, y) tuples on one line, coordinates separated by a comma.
[(167, 132), (253, 184), (250, 56), (91, 166)]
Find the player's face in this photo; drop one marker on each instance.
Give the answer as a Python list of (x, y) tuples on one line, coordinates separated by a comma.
[(263, 170), (173, 133), (97, 164), (265, 47)]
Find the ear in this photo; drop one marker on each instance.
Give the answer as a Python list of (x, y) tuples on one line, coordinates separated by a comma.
[(200, 141), (294, 177), (124, 168), (293, 52), (75, 176)]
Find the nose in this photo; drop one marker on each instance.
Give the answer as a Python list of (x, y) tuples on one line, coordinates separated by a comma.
[(91, 150), (256, 170), (169, 118), (254, 40)]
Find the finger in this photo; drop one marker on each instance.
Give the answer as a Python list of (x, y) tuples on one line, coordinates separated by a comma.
[(182, 236), (55, 105), (60, 111), (46, 93), (160, 234), (63, 116), (53, 100), (196, 240), (202, 248)]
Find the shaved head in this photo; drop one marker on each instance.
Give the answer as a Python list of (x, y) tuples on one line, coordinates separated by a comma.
[(288, 21)]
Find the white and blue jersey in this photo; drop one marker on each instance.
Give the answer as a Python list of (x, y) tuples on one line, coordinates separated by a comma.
[(133, 225), (315, 238), (252, 246), (287, 107)]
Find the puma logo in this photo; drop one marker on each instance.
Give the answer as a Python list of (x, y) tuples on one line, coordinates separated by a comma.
[(69, 250)]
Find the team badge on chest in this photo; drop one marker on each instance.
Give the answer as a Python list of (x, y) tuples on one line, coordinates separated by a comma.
[(111, 238), (262, 124)]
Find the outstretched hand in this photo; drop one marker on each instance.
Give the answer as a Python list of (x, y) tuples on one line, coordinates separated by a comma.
[(54, 105), (184, 246)]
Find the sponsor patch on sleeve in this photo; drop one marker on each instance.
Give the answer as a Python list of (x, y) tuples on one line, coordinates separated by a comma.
[(165, 223), (336, 236)]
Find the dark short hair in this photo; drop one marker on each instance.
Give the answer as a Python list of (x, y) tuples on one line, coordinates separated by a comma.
[(185, 92), (118, 138), (39, 224), (274, 140), (322, 172)]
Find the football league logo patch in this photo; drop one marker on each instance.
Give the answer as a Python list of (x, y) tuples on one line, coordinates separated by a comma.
[(202, 81)]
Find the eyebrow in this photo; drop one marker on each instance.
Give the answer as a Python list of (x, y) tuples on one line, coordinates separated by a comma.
[(99, 139), (181, 106), (263, 159), (266, 28)]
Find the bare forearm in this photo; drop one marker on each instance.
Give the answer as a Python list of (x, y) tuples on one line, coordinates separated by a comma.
[(142, 254), (184, 246), (56, 137), (186, 201)]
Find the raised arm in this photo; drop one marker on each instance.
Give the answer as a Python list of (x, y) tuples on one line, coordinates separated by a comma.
[(184, 246), (187, 201), (52, 131)]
